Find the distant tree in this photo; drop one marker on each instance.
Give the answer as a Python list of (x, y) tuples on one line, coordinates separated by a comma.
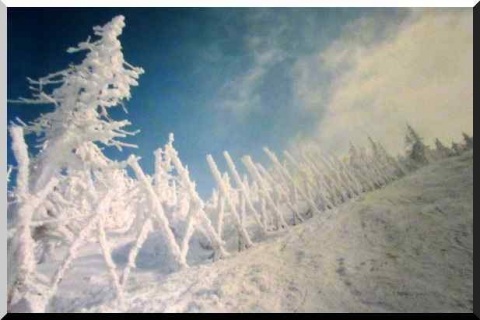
[(468, 141), (388, 163), (456, 149), (416, 150), (441, 150), (359, 168)]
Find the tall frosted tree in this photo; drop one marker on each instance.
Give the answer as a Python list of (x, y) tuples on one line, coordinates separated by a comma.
[(81, 95)]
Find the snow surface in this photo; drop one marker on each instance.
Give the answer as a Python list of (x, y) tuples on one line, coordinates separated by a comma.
[(405, 248)]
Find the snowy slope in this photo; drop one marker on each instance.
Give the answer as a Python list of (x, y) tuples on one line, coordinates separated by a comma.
[(405, 248)]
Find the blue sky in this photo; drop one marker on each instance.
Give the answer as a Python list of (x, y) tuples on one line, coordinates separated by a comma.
[(219, 79)]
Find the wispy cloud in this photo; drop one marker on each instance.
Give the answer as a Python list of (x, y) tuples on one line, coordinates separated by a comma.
[(241, 94)]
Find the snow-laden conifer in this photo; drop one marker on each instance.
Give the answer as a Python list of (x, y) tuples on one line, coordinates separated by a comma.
[(441, 150), (82, 95), (415, 148)]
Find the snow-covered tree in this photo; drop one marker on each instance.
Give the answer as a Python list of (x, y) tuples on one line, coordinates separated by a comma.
[(82, 95), (387, 164), (197, 217), (441, 150), (282, 172), (359, 169), (416, 150), (68, 136)]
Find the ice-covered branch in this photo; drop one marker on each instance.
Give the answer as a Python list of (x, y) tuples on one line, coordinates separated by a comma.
[(141, 238), (215, 240), (159, 214), (243, 188), (20, 151), (107, 256), (225, 192), (281, 170), (253, 171)]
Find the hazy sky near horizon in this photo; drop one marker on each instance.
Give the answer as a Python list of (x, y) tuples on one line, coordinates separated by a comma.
[(240, 79)]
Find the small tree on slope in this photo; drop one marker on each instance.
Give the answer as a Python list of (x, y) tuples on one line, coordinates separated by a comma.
[(386, 161), (441, 150)]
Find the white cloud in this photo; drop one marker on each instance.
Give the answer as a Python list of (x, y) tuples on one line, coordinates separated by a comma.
[(385, 74), (241, 95)]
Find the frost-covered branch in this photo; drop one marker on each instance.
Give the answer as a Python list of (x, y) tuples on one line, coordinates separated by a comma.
[(107, 256), (20, 151), (225, 192), (159, 214), (132, 256), (243, 188), (197, 202), (253, 171), (281, 171)]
